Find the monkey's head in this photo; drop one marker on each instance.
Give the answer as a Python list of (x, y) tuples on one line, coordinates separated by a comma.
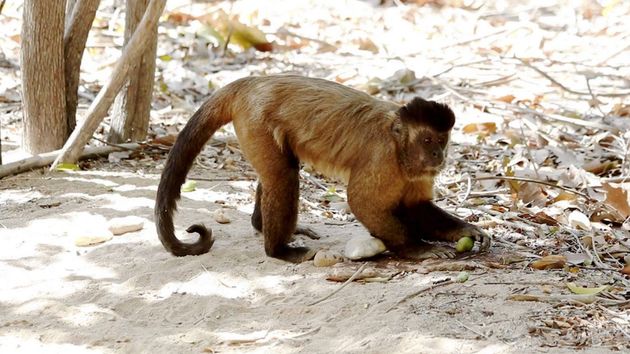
[(422, 129)]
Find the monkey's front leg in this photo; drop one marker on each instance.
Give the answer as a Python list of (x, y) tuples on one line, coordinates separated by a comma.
[(426, 220), (376, 214)]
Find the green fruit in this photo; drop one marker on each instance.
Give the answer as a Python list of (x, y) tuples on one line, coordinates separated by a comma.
[(464, 244), (189, 186), (462, 277)]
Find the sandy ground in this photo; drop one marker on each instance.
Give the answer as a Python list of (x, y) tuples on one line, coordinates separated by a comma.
[(130, 295)]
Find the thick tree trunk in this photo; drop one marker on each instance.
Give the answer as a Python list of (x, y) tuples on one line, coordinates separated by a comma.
[(78, 25), (42, 64), (131, 113)]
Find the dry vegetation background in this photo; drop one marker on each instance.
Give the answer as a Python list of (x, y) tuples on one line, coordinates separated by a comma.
[(539, 158)]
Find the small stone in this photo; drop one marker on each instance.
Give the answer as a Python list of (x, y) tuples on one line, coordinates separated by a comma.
[(327, 258), (363, 247), (98, 236), (462, 277), (342, 207), (119, 226), (220, 217)]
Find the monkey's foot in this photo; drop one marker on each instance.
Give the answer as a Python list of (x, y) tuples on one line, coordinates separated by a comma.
[(422, 251), (307, 231), (469, 230), (295, 254)]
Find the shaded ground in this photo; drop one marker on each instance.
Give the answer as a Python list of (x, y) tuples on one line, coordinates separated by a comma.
[(540, 93)]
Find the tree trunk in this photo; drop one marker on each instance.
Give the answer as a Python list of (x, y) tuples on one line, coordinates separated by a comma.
[(78, 25), (69, 7), (98, 109), (42, 65), (131, 113)]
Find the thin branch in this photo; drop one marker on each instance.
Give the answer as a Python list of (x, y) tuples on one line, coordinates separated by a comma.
[(43, 160), (530, 180), (286, 32), (618, 179), (565, 88), (444, 282), (350, 280), (595, 100)]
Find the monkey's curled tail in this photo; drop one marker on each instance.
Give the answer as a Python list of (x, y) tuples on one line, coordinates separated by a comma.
[(201, 126)]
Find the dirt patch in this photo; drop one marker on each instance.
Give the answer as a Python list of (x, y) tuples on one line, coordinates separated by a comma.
[(129, 294)]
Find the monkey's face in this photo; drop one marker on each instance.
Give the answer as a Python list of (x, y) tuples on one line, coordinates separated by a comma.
[(422, 129), (421, 151)]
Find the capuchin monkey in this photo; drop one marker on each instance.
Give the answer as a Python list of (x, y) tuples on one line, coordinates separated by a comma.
[(388, 154)]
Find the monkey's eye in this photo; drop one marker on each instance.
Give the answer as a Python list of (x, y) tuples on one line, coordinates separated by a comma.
[(440, 141), (427, 140)]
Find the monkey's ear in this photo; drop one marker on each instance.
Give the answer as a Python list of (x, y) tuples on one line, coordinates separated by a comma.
[(430, 113), (397, 127)]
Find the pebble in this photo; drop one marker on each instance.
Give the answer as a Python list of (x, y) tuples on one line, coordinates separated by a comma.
[(363, 247), (342, 207), (220, 217), (98, 236), (119, 226), (327, 258)]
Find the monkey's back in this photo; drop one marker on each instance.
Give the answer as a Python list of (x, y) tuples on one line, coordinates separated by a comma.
[(322, 122)]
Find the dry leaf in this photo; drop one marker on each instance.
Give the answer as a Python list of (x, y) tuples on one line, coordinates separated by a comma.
[(367, 44), (540, 218), (600, 167), (476, 128), (506, 98), (577, 258), (578, 220), (531, 193), (585, 291), (618, 198), (564, 196), (166, 140), (221, 26), (549, 262), (621, 110), (179, 18)]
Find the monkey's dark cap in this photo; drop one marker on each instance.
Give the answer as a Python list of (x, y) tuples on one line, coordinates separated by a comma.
[(430, 113)]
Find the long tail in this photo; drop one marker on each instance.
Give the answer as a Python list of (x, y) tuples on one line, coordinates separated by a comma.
[(201, 126)]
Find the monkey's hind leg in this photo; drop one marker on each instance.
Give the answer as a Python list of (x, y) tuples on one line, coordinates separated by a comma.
[(276, 208), (257, 221)]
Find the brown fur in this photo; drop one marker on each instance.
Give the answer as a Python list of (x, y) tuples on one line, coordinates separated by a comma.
[(388, 154)]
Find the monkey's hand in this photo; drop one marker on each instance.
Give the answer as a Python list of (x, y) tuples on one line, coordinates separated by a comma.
[(469, 230), (419, 250)]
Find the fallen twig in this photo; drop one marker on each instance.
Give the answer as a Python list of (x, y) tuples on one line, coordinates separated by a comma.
[(350, 280), (531, 180), (565, 88), (436, 284), (43, 160), (577, 298)]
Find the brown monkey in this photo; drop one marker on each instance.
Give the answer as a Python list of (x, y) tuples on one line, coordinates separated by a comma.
[(388, 154)]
